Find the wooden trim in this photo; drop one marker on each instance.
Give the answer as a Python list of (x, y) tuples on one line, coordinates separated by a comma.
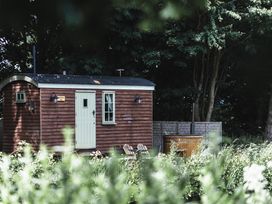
[(87, 86), (85, 91), (74, 86), (103, 108), (109, 124)]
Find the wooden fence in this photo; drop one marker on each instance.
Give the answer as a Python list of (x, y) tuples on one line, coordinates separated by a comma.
[(161, 128)]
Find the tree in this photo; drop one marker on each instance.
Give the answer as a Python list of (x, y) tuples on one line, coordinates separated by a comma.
[(71, 30), (188, 48), (205, 41), (269, 118)]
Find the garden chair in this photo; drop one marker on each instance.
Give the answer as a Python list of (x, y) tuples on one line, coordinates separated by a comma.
[(129, 151), (142, 149), (96, 154)]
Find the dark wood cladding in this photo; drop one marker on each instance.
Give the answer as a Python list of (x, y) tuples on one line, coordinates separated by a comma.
[(45, 125), (133, 121), (56, 116), (19, 122)]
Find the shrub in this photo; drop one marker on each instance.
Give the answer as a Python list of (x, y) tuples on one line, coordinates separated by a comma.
[(222, 177)]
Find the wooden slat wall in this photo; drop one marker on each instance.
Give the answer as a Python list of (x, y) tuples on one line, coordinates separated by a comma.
[(19, 123), (56, 116), (134, 121)]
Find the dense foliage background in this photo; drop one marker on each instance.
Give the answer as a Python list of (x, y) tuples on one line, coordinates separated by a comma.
[(214, 54)]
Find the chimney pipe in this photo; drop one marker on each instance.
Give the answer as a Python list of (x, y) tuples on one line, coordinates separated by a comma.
[(34, 58), (120, 71)]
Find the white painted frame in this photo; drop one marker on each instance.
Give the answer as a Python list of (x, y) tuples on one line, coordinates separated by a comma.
[(104, 122), (19, 95), (74, 86), (97, 87)]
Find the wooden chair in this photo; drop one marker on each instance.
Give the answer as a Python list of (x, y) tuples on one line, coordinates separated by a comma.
[(129, 151), (142, 149), (96, 154)]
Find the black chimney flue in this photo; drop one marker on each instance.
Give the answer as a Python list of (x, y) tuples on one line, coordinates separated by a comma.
[(34, 58)]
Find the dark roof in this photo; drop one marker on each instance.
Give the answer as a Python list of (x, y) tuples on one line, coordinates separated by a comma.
[(85, 79)]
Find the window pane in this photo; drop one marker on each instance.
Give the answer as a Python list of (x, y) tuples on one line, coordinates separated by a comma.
[(85, 103), (20, 97), (106, 106), (111, 117), (108, 98), (110, 107), (106, 117)]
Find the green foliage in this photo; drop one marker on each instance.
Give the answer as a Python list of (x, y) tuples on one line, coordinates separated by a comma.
[(97, 37), (156, 13), (225, 177)]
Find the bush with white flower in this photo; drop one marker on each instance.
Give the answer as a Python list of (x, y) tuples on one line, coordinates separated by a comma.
[(255, 185), (233, 175)]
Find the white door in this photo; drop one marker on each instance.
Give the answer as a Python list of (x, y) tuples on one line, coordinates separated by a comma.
[(85, 120)]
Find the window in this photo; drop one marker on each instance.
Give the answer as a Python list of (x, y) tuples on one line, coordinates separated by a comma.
[(108, 107), (85, 103), (20, 97)]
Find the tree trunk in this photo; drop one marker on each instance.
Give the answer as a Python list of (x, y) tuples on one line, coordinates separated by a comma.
[(206, 71), (212, 89), (197, 110), (269, 118), (260, 113), (198, 79)]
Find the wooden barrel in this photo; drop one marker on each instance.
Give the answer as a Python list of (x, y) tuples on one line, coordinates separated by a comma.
[(186, 144)]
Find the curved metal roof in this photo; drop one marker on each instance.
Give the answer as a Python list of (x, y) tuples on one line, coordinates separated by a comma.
[(43, 80)]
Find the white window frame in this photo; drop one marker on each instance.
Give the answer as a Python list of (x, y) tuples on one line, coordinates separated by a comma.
[(104, 122), (18, 97)]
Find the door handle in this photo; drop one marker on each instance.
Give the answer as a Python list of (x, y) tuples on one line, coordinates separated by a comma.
[(93, 112)]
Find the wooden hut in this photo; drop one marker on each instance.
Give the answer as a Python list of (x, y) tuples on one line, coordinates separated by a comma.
[(104, 111)]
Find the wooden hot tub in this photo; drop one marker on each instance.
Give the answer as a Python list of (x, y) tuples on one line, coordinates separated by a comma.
[(186, 144)]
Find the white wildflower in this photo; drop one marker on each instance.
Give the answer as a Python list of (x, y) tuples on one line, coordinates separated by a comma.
[(4, 168), (76, 162), (207, 179), (253, 177), (159, 175), (42, 155), (269, 164), (255, 182), (25, 175)]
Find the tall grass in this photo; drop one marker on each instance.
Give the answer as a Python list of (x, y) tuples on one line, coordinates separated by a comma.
[(240, 174)]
